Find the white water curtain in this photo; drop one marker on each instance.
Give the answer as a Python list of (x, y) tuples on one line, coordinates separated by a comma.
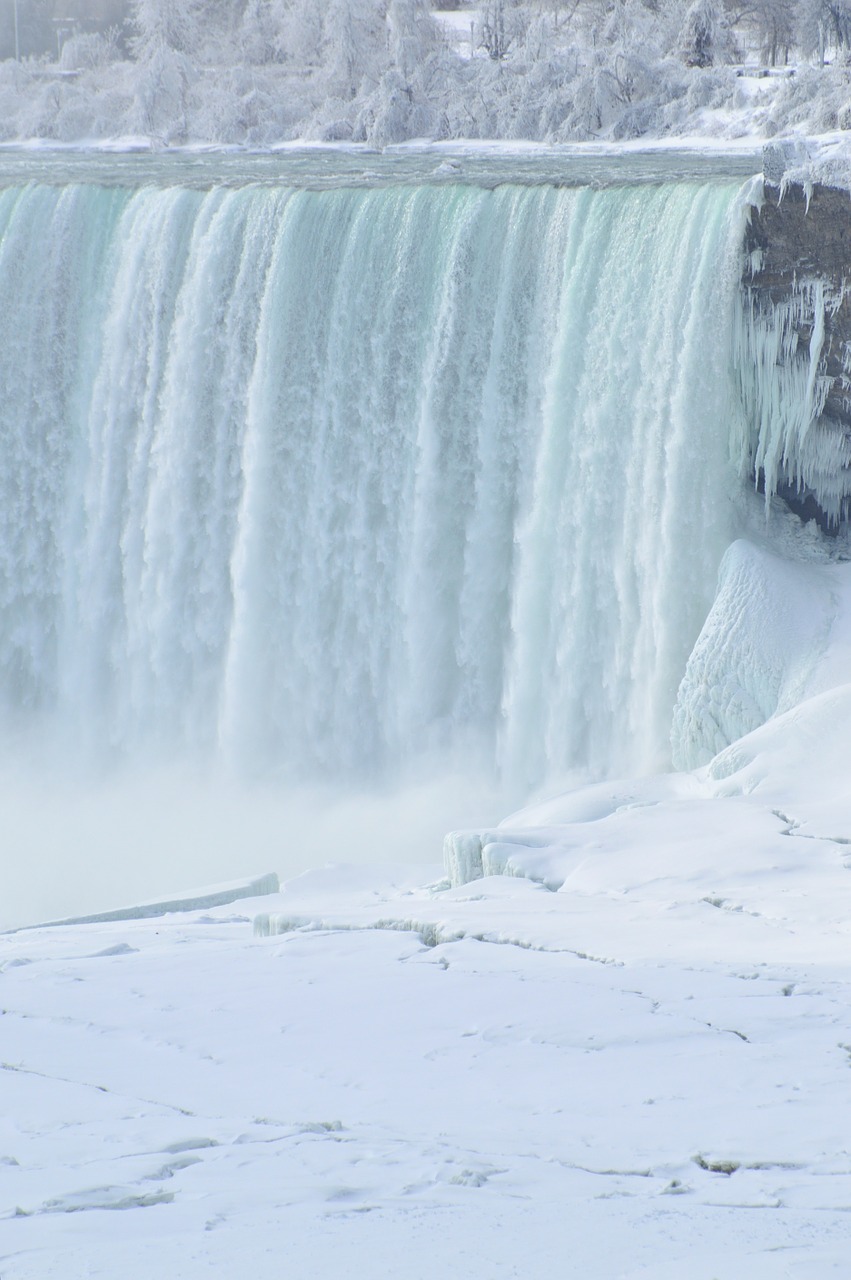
[(331, 483)]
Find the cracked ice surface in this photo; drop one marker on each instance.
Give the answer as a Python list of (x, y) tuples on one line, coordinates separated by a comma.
[(645, 1078)]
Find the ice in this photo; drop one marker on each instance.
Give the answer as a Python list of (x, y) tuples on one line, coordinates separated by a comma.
[(782, 154), (796, 764), (621, 1035), (219, 895), (763, 706), (762, 648), (470, 855), (780, 432), (625, 1040)]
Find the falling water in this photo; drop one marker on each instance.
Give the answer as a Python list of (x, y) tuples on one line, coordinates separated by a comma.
[(328, 484)]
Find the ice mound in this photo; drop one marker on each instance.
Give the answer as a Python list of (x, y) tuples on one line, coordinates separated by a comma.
[(523, 844), (797, 764), (761, 721), (775, 634)]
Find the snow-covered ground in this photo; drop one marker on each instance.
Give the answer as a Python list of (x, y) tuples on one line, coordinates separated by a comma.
[(626, 1057)]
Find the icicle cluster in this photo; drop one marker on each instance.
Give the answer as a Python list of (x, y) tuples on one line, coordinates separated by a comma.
[(785, 440)]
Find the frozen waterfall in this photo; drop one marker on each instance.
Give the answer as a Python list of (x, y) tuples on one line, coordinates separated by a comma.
[(332, 483)]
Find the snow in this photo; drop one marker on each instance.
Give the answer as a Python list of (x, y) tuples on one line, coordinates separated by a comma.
[(798, 761), (626, 1044), (374, 1074)]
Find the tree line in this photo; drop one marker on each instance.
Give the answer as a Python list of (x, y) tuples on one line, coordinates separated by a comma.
[(255, 72)]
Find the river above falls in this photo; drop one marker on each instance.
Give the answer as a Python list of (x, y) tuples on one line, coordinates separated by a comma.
[(322, 167)]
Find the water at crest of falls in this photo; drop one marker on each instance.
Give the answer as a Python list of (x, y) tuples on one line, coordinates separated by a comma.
[(327, 484)]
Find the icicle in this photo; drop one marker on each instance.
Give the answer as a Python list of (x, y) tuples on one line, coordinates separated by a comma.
[(784, 437)]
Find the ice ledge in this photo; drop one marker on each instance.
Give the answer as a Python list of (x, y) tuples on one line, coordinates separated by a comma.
[(808, 161), (200, 900)]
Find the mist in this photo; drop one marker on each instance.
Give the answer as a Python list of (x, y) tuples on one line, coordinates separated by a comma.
[(67, 849)]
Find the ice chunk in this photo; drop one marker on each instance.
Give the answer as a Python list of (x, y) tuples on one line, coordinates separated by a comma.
[(471, 855), (462, 856)]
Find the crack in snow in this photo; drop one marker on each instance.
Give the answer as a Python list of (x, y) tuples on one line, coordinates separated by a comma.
[(432, 935), (98, 1088)]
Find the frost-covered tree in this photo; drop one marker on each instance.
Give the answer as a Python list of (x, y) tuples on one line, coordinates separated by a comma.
[(167, 35), (355, 45), (562, 12), (496, 29), (261, 31), (413, 35), (706, 36), (838, 17), (90, 50), (772, 23), (404, 104), (261, 71), (822, 24), (174, 25)]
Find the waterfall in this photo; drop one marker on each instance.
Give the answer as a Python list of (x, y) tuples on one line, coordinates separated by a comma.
[(327, 484)]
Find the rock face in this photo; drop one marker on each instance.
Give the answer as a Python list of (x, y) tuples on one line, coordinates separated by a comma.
[(797, 285), (798, 240)]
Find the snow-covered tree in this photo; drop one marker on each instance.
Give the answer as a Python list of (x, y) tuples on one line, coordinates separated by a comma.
[(496, 29), (413, 35), (159, 25), (90, 50), (262, 71), (706, 36), (561, 11), (261, 31), (822, 24), (772, 23), (355, 45), (168, 34)]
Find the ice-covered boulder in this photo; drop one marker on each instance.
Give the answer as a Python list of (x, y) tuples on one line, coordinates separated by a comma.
[(773, 636), (782, 155)]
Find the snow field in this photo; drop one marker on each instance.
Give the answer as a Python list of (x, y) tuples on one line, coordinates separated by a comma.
[(629, 1056), (608, 1077), (357, 1103)]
